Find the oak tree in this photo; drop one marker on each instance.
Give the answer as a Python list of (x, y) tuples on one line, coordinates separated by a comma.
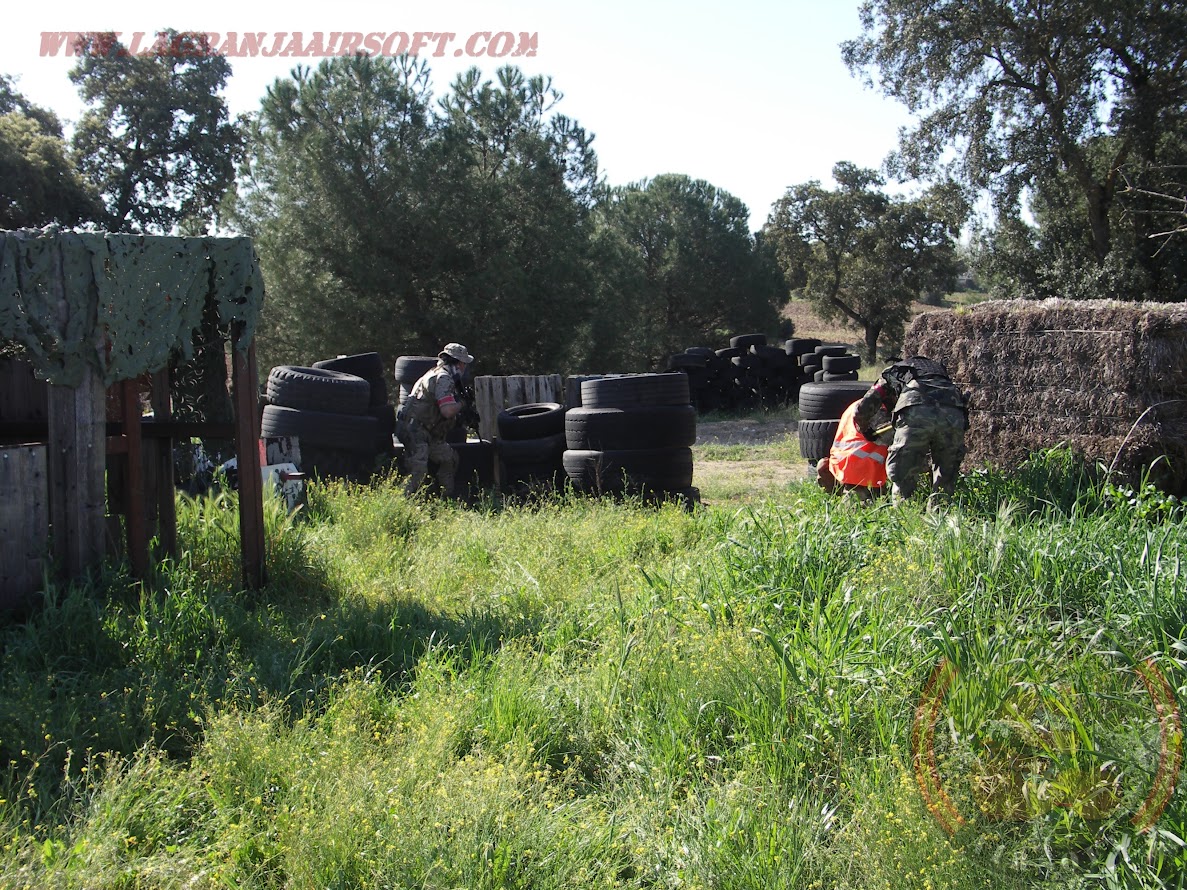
[(1014, 93), (156, 139), (862, 256)]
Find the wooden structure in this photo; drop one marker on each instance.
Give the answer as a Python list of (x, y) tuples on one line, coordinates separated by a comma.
[(493, 394), (98, 317)]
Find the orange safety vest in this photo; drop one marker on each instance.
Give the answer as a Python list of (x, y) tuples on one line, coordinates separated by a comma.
[(854, 459)]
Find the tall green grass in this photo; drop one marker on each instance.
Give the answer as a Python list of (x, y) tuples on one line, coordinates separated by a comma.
[(583, 693)]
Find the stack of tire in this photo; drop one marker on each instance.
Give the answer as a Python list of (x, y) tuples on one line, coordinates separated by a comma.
[(821, 406), (476, 461), (633, 435), (745, 375), (330, 413), (826, 362), (369, 366), (530, 447), (710, 376), (750, 374)]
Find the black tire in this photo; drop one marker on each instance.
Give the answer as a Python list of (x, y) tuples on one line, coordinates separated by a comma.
[(573, 388), (706, 351), (475, 468), (315, 389), (344, 432), (683, 360), (800, 345), (825, 401), (531, 451), (835, 364), (636, 391), (367, 365), (532, 421), (549, 474), (410, 368), (816, 438), (730, 352), (642, 470), (807, 359), (818, 377), (772, 356), (620, 429), (385, 418), (830, 377), (831, 349), (744, 341), (335, 463)]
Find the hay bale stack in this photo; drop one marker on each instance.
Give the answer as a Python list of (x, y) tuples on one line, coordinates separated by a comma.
[(1077, 373)]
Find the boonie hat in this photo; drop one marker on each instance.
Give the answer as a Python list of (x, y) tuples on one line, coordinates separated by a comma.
[(457, 352)]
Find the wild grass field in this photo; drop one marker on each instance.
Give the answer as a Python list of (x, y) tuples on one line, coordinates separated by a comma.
[(789, 691)]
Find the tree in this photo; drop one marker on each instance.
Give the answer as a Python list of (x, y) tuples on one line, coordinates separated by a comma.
[(520, 187), (332, 192), (1030, 90), (38, 183), (391, 223), (860, 255), (156, 140), (687, 271)]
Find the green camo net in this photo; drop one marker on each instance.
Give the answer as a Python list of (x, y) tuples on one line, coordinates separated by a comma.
[(124, 303)]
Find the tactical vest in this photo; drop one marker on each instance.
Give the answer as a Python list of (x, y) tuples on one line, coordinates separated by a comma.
[(922, 381)]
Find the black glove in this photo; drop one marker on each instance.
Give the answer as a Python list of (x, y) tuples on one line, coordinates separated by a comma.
[(468, 415)]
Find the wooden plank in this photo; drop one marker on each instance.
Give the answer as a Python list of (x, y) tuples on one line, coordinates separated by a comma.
[(24, 523), (22, 396), (75, 469), (493, 394), (245, 381), (165, 496)]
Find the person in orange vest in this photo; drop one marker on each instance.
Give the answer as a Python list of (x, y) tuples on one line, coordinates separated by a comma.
[(856, 464)]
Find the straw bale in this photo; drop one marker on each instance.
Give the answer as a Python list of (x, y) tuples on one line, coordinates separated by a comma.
[(1107, 379)]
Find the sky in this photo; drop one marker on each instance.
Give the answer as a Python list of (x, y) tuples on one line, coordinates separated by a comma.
[(750, 95)]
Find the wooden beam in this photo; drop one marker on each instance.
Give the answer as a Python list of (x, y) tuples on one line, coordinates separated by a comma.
[(21, 432), (162, 406), (245, 380), (134, 520)]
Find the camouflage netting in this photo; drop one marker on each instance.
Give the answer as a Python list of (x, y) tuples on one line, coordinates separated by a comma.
[(1107, 379), (124, 303)]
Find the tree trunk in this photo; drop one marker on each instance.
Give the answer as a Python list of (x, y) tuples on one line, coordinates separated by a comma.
[(873, 331), (1099, 198)]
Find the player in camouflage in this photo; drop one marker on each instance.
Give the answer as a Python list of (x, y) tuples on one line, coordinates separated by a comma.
[(431, 410), (930, 415)]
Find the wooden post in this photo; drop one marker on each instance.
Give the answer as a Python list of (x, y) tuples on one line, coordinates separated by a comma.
[(137, 533), (24, 524), (166, 495), (245, 380), (75, 468)]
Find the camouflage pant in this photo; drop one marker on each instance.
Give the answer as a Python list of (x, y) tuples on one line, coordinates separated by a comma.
[(918, 431), (420, 447)]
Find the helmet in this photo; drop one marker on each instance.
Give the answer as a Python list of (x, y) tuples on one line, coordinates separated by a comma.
[(457, 352)]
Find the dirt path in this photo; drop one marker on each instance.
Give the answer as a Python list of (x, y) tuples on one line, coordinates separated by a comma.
[(738, 481), (744, 432)]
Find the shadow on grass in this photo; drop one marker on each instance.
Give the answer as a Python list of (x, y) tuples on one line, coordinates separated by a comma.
[(110, 666)]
